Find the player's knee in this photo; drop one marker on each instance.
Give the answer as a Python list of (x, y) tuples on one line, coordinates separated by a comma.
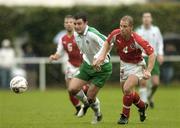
[(72, 90), (126, 90), (155, 83), (143, 83)]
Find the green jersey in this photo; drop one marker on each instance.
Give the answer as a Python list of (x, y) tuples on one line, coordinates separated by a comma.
[(90, 44)]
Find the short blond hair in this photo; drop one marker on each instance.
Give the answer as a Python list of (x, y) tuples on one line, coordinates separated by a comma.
[(129, 19)]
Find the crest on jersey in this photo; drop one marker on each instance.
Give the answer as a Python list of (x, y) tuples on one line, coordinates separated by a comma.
[(87, 41), (125, 50), (133, 46)]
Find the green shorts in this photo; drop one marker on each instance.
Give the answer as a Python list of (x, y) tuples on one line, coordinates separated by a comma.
[(156, 69), (87, 73)]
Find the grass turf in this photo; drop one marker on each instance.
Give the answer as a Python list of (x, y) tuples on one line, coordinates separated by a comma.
[(52, 109)]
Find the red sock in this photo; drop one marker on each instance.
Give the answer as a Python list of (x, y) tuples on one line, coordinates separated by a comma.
[(137, 101), (127, 102), (74, 100)]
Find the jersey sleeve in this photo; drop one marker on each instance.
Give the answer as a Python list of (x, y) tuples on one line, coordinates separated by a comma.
[(60, 49), (160, 45), (148, 49), (112, 36)]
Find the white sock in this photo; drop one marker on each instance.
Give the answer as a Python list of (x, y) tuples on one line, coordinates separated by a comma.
[(82, 97), (96, 107), (143, 94), (149, 86)]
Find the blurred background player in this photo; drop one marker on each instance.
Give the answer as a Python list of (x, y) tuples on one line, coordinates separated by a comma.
[(64, 57), (67, 45), (89, 41), (7, 58), (153, 35), (132, 70)]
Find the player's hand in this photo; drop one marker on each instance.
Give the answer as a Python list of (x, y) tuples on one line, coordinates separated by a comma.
[(97, 68), (147, 74), (98, 61), (53, 57), (160, 59)]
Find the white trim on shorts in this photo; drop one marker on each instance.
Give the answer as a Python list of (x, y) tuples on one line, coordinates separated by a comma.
[(71, 71)]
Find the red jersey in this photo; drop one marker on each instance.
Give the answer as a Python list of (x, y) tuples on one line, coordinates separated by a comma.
[(129, 51), (70, 46)]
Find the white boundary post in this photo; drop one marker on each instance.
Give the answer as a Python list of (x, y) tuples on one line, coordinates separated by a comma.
[(42, 76)]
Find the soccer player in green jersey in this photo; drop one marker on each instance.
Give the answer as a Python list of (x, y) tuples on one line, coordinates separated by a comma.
[(90, 42)]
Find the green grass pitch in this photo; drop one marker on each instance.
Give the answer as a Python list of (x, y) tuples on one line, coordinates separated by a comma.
[(52, 109)]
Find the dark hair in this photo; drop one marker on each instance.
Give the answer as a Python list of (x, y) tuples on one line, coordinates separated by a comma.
[(81, 15), (129, 19), (146, 13), (69, 16)]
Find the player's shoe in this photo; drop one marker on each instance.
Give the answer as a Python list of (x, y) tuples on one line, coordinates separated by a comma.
[(78, 108), (142, 113), (123, 119), (96, 118), (82, 111)]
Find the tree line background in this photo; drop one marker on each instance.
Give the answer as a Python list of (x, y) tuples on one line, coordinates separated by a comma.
[(41, 24)]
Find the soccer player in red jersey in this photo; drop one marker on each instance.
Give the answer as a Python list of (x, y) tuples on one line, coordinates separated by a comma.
[(133, 68), (67, 44)]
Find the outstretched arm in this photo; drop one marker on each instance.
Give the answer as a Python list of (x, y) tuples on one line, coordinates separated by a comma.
[(59, 52), (100, 59), (54, 57)]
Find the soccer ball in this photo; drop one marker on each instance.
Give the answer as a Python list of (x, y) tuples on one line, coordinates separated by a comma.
[(18, 84)]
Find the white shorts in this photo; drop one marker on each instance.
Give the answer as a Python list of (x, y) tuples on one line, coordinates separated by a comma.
[(71, 71), (127, 69)]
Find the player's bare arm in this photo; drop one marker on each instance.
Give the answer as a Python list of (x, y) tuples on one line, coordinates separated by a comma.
[(54, 57), (100, 59), (147, 72)]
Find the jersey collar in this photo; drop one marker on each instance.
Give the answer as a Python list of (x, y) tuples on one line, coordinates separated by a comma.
[(86, 30)]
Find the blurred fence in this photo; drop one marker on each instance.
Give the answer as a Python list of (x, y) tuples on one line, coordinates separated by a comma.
[(44, 60)]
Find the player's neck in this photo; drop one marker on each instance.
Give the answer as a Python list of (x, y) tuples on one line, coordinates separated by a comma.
[(147, 26), (69, 34), (126, 37)]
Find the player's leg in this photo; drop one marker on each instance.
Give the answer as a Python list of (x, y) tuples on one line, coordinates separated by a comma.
[(128, 86), (75, 101), (98, 81), (75, 89), (69, 74), (142, 106), (94, 103), (143, 90), (82, 79), (155, 84)]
